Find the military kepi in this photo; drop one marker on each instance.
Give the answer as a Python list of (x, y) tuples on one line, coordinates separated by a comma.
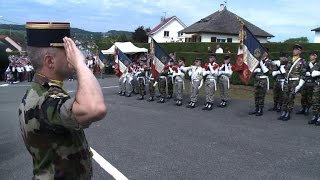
[(47, 34)]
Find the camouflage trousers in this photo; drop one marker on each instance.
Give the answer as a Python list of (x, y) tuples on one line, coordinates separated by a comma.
[(141, 81), (162, 85), (152, 89), (210, 86), (316, 99), (289, 95), (194, 91), (179, 86), (277, 92), (128, 83), (260, 90), (306, 95), (223, 86), (170, 85)]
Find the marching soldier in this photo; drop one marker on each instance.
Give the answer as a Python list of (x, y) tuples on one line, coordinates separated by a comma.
[(141, 74), (210, 72), (122, 84), (134, 82), (225, 72), (279, 78), (315, 73), (295, 78), (164, 80), (261, 84), (170, 79), (196, 74), (128, 80), (179, 80), (307, 89)]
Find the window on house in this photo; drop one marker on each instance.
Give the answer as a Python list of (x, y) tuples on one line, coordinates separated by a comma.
[(199, 39), (221, 40), (229, 40), (213, 39), (166, 33)]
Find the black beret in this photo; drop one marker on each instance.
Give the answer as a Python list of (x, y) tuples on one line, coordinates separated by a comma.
[(182, 59), (213, 55), (47, 34), (226, 57), (297, 46), (198, 59), (283, 54)]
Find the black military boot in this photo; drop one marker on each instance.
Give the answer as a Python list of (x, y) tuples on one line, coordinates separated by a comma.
[(286, 117), (151, 99), (205, 107), (161, 100), (313, 119), (274, 108), (122, 94), (179, 103), (169, 96), (191, 105), (128, 95), (283, 114), (307, 111), (210, 107), (221, 104), (141, 98), (302, 110), (260, 111), (255, 111)]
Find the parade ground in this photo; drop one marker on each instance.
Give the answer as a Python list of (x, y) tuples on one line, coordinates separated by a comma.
[(146, 140)]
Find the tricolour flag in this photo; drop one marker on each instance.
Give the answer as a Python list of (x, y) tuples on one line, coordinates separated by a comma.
[(121, 62), (99, 60), (250, 53), (160, 58)]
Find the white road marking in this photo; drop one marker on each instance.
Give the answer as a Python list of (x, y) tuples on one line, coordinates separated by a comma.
[(107, 87), (13, 85), (4, 85), (107, 166)]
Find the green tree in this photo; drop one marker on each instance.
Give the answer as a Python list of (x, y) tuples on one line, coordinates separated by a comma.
[(297, 40), (140, 35)]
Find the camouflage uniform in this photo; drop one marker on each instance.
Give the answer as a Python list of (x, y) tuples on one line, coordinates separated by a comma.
[(122, 85), (53, 137), (211, 73), (295, 75), (316, 94), (279, 79), (307, 91), (261, 85)]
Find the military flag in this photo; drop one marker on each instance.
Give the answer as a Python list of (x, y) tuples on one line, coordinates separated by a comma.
[(160, 58), (121, 62), (250, 52)]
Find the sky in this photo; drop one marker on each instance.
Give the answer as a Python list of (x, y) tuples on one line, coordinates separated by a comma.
[(283, 18)]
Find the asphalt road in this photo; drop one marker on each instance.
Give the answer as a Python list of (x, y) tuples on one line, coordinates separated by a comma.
[(146, 140)]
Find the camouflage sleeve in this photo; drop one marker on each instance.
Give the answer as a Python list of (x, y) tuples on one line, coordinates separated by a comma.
[(303, 70), (57, 109)]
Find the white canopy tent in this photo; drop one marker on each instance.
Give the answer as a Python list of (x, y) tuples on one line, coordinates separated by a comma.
[(125, 47)]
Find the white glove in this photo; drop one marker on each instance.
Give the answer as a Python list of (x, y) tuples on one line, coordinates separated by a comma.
[(274, 73), (299, 86), (315, 73), (257, 70), (308, 74), (282, 70), (190, 73), (276, 63), (263, 67)]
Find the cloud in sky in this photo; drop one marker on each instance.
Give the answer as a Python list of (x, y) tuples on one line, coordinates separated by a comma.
[(282, 18)]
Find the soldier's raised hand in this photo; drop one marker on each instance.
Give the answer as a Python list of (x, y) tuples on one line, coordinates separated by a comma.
[(75, 57)]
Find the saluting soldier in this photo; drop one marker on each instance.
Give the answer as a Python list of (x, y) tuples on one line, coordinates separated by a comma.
[(196, 74), (295, 78), (122, 83), (261, 84), (170, 78), (279, 78), (210, 73), (179, 75), (307, 89), (315, 73), (51, 121), (224, 75)]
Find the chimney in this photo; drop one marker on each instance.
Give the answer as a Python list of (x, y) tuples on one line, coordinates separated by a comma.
[(162, 19), (222, 7)]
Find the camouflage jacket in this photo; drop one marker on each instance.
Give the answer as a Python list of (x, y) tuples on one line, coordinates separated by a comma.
[(296, 69), (52, 136)]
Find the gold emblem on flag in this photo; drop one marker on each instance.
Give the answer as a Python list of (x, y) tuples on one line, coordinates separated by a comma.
[(164, 60), (257, 53)]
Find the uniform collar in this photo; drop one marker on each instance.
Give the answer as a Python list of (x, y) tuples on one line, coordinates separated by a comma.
[(43, 80)]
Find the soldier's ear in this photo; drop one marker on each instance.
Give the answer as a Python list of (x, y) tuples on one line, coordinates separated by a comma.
[(48, 61)]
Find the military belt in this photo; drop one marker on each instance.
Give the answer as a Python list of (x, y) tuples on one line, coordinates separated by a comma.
[(262, 77), (280, 80), (294, 79)]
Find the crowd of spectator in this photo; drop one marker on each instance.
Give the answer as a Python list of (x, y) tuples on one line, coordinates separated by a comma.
[(19, 69)]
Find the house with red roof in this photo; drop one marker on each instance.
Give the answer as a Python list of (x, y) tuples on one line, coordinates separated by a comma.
[(10, 43), (167, 30)]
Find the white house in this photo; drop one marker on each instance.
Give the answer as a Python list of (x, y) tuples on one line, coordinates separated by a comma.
[(167, 30), (317, 35), (220, 27)]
